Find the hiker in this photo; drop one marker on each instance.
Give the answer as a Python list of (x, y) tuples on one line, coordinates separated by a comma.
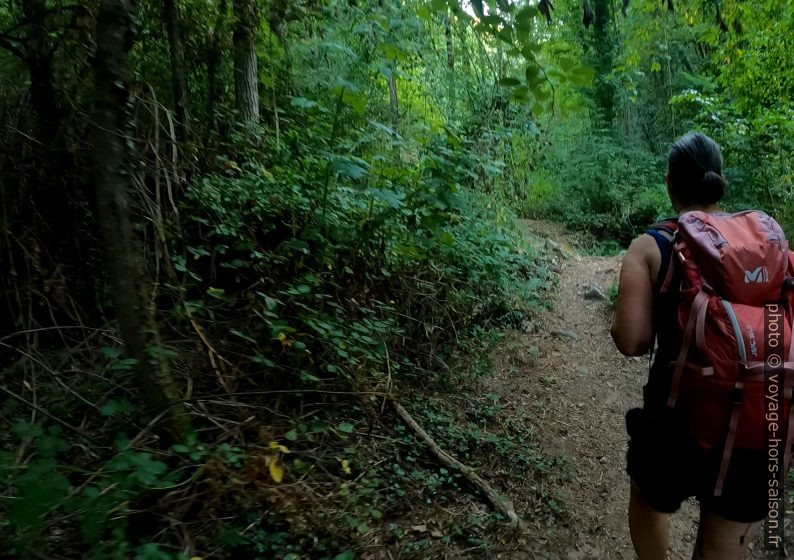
[(700, 431)]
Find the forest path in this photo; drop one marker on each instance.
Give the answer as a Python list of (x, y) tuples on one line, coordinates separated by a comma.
[(565, 372)]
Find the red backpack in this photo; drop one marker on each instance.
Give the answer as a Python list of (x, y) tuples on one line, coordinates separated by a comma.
[(730, 266)]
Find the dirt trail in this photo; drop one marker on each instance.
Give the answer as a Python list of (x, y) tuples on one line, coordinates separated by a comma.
[(577, 388)]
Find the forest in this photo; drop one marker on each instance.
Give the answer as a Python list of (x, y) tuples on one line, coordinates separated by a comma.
[(258, 257)]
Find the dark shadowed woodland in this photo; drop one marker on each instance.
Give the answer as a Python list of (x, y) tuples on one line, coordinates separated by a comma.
[(297, 279)]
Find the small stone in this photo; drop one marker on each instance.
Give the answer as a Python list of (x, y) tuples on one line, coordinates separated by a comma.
[(571, 335), (528, 326), (594, 293)]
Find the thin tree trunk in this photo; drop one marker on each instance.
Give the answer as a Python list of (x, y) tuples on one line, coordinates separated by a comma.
[(214, 62), (445, 17), (39, 62), (246, 79), (393, 101), (111, 126), (448, 37), (178, 77), (395, 109), (604, 91)]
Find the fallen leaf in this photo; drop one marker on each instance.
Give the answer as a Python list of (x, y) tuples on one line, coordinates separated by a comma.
[(276, 470), (275, 445)]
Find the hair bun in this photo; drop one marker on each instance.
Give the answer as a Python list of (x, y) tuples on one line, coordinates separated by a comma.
[(713, 185)]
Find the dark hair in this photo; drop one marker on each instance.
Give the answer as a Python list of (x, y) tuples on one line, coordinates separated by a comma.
[(694, 166)]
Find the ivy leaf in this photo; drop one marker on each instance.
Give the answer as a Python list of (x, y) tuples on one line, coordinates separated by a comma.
[(115, 407), (110, 353), (346, 427)]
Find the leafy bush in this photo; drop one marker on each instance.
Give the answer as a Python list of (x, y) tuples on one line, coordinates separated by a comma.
[(425, 258), (610, 190)]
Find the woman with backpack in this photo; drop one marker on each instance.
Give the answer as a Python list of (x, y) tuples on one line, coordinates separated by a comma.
[(697, 285)]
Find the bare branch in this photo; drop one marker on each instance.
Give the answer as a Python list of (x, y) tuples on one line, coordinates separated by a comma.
[(9, 43)]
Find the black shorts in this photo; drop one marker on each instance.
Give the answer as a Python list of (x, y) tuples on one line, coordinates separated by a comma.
[(668, 467)]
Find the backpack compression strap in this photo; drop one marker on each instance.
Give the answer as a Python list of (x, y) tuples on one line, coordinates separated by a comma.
[(697, 315)]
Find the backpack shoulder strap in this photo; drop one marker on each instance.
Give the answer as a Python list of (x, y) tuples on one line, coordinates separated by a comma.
[(663, 233)]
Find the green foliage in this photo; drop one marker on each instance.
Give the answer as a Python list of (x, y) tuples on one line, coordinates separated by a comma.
[(304, 251), (47, 487), (612, 295), (610, 190), (358, 242)]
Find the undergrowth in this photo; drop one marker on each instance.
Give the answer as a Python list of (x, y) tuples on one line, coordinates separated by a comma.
[(303, 296)]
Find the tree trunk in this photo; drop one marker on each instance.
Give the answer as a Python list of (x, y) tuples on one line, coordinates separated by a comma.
[(395, 109), (178, 78), (448, 37), (603, 43), (246, 79), (39, 62), (451, 89), (214, 63), (112, 73)]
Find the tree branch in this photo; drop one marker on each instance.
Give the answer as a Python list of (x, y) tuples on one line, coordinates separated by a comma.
[(79, 10), (501, 503), (7, 42)]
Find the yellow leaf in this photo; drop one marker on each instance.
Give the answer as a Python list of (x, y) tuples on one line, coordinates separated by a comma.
[(275, 445), (284, 340), (346, 466), (197, 558), (276, 470)]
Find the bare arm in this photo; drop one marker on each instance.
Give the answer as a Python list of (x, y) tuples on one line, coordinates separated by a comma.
[(632, 326)]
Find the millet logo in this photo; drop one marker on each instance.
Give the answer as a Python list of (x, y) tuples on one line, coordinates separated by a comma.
[(758, 276)]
